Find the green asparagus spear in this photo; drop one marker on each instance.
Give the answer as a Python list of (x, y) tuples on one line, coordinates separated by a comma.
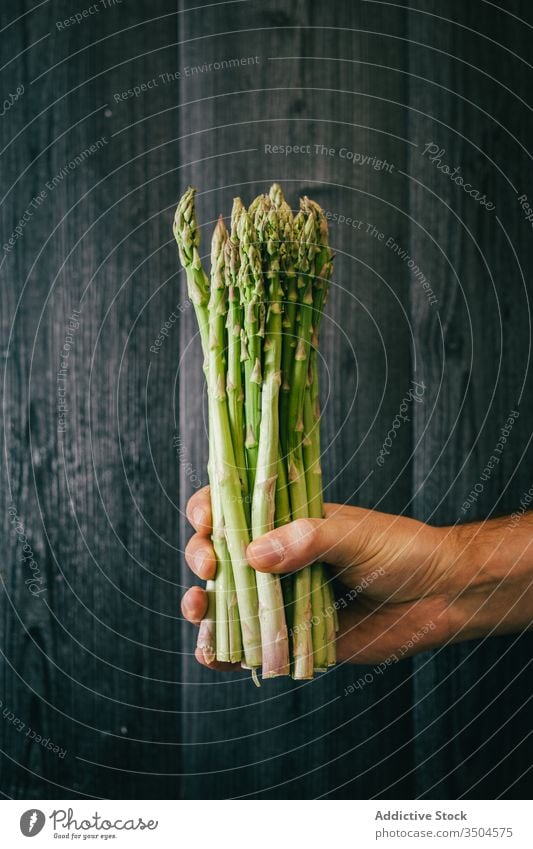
[(271, 610)]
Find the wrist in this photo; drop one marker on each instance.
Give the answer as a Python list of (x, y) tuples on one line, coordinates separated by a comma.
[(488, 575), (474, 556), (491, 552)]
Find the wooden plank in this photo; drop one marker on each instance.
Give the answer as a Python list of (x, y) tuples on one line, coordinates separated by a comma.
[(93, 663), (465, 92)]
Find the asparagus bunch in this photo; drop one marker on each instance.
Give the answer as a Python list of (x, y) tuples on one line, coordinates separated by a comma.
[(259, 316)]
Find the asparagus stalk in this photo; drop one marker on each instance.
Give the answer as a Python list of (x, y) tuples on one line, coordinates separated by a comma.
[(283, 507), (302, 609), (187, 237), (222, 583), (234, 386), (220, 632), (252, 291), (219, 635), (271, 610), (290, 230), (313, 478), (225, 483), (308, 248), (237, 536), (283, 517), (290, 281), (234, 620), (299, 367), (321, 595)]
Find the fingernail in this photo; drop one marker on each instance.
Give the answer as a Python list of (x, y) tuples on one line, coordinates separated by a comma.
[(267, 552), (198, 516), (199, 560)]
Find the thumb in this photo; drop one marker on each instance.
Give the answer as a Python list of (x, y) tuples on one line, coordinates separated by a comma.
[(303, 542)]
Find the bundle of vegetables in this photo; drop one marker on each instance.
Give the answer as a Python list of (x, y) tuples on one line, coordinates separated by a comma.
[(259, 315)]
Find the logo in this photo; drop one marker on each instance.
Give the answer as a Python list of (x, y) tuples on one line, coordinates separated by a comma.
[(32, 822)]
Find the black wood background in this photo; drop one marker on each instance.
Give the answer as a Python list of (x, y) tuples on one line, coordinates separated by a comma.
[(99, 662)]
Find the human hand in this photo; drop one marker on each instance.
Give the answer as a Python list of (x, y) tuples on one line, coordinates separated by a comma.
[(403, 586), (389, 563)]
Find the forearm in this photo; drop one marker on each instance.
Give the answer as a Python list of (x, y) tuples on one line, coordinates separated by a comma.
[(490, 577)]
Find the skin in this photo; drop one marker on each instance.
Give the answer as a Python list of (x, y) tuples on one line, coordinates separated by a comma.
[(395, 577)]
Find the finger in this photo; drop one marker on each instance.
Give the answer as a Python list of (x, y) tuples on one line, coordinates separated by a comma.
[(194, 605), (200, 557), (335, 540), (218, 665), (199, 511)]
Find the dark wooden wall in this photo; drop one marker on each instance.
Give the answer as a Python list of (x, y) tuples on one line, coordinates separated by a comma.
[(99, 661)]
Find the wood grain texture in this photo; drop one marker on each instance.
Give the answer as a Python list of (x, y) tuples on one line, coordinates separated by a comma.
[(100, 662), (476, 365), (94, 662)]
